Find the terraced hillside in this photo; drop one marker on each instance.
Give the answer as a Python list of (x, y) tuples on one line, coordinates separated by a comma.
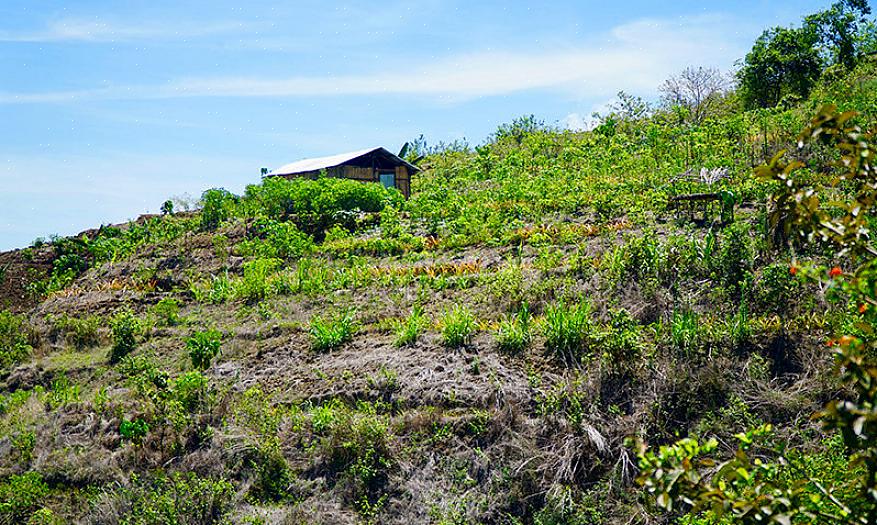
[(327, 352)]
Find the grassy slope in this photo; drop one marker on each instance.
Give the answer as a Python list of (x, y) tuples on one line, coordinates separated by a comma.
[(427, 432)]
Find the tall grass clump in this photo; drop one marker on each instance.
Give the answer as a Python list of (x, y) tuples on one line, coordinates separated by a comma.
[(567, 330), (458, 325), (685, 330), (514, 334), (329, 334), (409, 330)]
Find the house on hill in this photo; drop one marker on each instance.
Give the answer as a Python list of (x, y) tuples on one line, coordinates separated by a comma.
[(368, 165)]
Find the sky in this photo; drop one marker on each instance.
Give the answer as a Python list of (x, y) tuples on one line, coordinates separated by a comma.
[(109, 108)]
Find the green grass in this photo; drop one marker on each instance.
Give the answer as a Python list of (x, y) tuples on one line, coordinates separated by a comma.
[(332, 332), (458, 325)]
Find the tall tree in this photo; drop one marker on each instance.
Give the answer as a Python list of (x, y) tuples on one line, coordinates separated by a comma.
[(839, 29), (783, 61), (697, 90)]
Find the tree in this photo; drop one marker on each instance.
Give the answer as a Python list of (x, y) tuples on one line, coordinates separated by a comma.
[(750, 489), (840, 29), (697, 90), (782, 62)]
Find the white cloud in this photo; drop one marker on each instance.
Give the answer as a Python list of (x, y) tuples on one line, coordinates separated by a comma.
[(635, 56), (99, 30)]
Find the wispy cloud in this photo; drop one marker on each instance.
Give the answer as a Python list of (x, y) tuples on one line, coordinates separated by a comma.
[(636, 56), (106, 31)]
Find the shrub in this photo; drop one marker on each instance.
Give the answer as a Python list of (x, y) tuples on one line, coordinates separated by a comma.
[(167, 207), (217, 206), (125, 328), (256, 282), (514, 334), (14, 346), (174, 499), (134, 431), (203, 347), (191, 391), (328, 334), (276, 239), (21, 496), (734, 262), (261, 422), (167, 310), (458, 325), (567, 330), (620, 341), (410, 329)]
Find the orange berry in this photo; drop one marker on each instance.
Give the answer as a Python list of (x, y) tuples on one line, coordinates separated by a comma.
[(793, 270), (863, 308), (834, 272)]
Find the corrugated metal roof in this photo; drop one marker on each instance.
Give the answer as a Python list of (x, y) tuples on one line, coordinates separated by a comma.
[(331, 161)]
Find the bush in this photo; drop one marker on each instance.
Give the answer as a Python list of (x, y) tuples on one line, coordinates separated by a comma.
[(21, 496), (14, 346), (217, 206), (410, 329), (458, 325), (316, 205), (256, 282), (514, 334), (734, 264), (133, 430), (174, 499), (203, 347), (282, 240), (620, 341), (125, 328), (328, 334), (167, 310)]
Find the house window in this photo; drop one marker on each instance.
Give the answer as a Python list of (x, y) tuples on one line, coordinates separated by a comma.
[(388, 180)]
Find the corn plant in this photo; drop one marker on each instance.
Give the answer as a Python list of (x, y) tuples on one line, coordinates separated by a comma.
[(514, 333), (458, 325), (411, 328), (567, 330), (329, 334)]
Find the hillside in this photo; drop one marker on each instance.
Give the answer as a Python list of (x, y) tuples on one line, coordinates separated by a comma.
[(327, 352)]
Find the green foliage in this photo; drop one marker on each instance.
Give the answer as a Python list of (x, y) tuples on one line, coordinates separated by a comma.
[(167, 310), (515, 332), (329, 334), (256, 282), (126, 328), (782, 62), (409, 330), (21, 496), (276, 239), (316, 205), (217, 206), (134, 431), (81, 332), (458, 325), (735, 257), (685, 330), (620, 341), (261, 423), (167, 207), (14, 345), (203, 347), (567, 330), (746, 487), (175, 499)]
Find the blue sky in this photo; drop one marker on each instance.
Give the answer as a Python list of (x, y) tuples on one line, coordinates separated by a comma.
[(108, 108)]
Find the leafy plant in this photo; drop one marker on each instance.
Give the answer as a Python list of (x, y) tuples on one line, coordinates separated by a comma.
[(410, 329), (14, 345), (126, 328), (203, 347), (134, 430), (458, 325), (329, 334), (167, 310), (21, 496)]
